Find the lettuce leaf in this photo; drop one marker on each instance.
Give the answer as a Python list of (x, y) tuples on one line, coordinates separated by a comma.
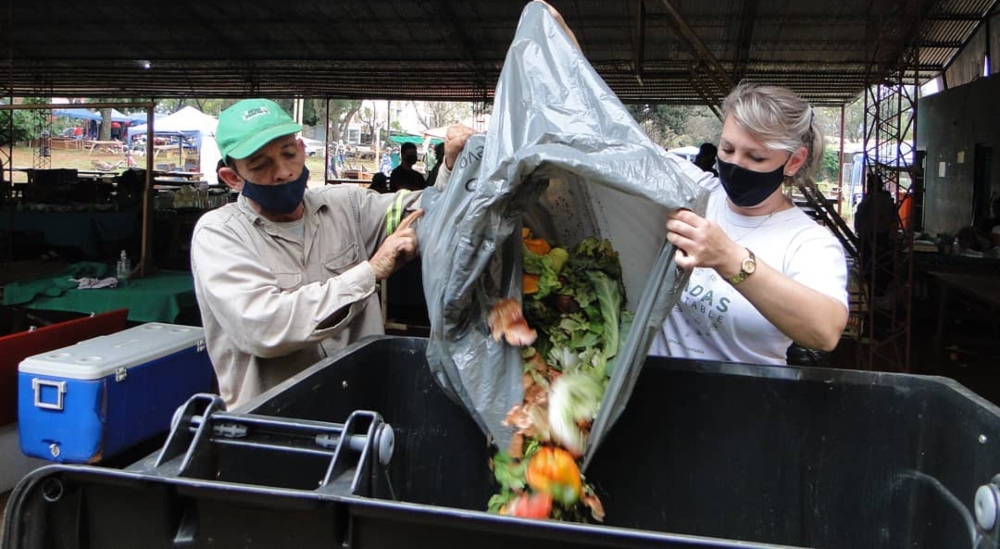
[(610, 300), (547, 267)]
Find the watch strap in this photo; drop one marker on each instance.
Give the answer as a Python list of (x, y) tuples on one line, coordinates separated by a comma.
[(744, 273)]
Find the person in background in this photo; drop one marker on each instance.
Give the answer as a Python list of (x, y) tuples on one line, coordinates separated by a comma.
[(705, 159), (875, 220), (986, 225), (438, 159), (969, 242), (332, 169), (404, 176), (764, 275), (287, 275), (386, 163), (380, 183)]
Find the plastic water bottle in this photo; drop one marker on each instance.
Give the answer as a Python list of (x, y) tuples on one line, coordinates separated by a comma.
[(124, 268)]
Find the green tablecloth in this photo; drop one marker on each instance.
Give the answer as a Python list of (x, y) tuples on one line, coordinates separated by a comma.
[(158, 298)]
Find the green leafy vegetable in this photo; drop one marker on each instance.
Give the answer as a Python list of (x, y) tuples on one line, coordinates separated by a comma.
[(610, 301)]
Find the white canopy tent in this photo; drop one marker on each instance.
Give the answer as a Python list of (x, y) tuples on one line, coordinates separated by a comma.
[(688, 152), (192, 123)]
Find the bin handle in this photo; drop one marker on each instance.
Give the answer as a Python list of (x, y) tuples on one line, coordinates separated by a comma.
[(59, 386)]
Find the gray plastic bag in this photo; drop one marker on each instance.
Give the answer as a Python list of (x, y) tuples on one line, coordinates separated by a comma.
[(564, 157)]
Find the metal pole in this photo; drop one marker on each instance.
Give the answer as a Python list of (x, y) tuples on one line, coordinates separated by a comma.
[(840, 167), (326, 157)]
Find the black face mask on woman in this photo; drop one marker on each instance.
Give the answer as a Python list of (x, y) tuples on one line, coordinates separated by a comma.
[(746, 187)]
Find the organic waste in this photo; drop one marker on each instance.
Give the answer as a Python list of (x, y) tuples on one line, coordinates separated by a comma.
[(570, 326)]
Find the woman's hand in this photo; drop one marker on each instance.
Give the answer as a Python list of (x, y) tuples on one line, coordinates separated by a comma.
[(702, 243)]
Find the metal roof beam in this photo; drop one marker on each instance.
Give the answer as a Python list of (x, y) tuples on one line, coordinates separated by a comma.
[(720, 78), (748, 18)]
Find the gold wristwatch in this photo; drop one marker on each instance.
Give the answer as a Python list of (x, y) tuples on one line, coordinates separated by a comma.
[(747, 268)]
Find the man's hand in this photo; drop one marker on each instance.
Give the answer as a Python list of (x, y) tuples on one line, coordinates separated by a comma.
[(454, 142), (562, 23), (398, 248)]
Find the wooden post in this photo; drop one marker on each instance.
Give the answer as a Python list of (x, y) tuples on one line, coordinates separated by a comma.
[(148, 193)]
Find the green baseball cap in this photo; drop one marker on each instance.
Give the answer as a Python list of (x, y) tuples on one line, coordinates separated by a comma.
[(249, 125)]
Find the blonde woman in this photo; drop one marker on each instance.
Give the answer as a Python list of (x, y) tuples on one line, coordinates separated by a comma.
[(764, 273)]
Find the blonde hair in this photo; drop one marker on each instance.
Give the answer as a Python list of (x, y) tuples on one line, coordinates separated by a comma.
[(780, 120)]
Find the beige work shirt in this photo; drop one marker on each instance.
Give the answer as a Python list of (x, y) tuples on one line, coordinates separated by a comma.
[(263, 291)]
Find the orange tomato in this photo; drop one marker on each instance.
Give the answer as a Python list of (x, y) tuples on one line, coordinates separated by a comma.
[(531, 506), (537, 246), (529, 283), (553, 471)]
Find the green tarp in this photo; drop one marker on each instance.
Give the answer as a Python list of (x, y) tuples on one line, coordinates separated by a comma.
[(415, 139)]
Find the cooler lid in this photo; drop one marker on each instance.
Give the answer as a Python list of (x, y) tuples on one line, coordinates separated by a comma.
[(101, 356)]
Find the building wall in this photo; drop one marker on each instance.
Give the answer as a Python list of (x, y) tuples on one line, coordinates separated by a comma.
[(950, 124)]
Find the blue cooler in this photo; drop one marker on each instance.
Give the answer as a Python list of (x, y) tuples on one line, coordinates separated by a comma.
[(91, 400)]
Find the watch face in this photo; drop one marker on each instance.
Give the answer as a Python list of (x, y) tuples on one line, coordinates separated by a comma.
[(749, 265)]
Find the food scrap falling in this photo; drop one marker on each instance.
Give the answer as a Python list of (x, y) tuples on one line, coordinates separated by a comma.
[(507, 321), (570, 327)]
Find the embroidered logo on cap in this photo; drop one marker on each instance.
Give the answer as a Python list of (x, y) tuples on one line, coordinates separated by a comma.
[(254, 113)]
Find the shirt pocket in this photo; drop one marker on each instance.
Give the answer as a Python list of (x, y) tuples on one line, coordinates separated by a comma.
[(342, 260), (288, 281)]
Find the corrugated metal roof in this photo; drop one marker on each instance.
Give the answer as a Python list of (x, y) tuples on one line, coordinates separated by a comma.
[(451, 50)]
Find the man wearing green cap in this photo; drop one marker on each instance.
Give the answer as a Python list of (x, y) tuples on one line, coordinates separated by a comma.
[(285, 276)]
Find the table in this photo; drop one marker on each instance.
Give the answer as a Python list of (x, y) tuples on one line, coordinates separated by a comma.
[(178, 181), (176, 173), (97, 235), (115, 147), (97, 176), (985, 288), (156, 298)]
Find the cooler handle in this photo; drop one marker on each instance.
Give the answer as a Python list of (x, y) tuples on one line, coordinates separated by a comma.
[(59, 386)]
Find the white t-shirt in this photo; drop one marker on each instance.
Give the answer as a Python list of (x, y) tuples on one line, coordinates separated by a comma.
[(713, 321)]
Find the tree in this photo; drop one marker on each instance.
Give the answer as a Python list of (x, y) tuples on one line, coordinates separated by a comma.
[(18, 126), (342, 111), (367, 116), (105, 124), (677, 125), (434, 114), (829, 168), (702, 126), (828, 120), (207, 106)]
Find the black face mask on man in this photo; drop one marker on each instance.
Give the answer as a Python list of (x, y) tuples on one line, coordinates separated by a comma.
[(279, 199), (746, 187)]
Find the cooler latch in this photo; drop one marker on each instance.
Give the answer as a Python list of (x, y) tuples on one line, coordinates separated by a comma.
[(60, 386)]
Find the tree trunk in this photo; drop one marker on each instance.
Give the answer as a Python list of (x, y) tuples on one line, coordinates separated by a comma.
[(105, 125)]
